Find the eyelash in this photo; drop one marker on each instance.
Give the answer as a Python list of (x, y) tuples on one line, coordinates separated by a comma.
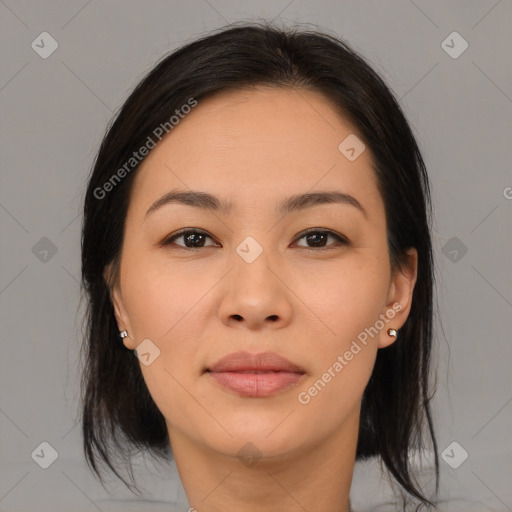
[(341, 240)]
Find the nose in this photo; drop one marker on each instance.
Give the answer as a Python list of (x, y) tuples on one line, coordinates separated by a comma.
[(255, 295)]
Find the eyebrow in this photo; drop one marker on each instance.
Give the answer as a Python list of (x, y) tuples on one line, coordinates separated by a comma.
[(206, 201)]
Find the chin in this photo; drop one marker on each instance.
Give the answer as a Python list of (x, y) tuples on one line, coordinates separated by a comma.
[(265, 438)]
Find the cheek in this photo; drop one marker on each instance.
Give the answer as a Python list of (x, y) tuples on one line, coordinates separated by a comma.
[(160, 297), (171, 307), (163, 304), (345, 347), (348, 298), (348, 303)]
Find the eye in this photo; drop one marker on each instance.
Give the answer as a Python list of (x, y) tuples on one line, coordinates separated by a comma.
[(317, 237), (193, 239)]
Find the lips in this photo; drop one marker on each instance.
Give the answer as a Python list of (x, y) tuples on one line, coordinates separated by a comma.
[(255, 363), (255, 375)]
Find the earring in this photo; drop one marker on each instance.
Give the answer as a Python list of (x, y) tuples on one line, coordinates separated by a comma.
[(392, 332), (123, 334)]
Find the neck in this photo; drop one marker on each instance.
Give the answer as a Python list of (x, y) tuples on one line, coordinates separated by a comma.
[(314, 479)]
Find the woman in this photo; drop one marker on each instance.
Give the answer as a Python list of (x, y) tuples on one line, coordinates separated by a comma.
[(256, 231)]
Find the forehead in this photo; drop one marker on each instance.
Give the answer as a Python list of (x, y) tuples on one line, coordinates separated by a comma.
[(263, 143)]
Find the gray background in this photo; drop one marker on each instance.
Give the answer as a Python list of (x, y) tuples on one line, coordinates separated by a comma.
[(53, 115)]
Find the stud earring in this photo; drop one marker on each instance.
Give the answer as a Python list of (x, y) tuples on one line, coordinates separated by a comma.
[(392, 332), (123, 334)]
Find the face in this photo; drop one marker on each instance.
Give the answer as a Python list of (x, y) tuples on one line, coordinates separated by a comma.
[(311, 283)]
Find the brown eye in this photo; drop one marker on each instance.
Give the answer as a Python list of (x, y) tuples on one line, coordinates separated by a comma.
[(193, 239), (318, 239)]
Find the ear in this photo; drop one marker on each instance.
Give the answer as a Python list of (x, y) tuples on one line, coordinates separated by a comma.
[(399, 300), (123, 323)]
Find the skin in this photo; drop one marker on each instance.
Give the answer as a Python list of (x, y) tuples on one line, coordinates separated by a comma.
[(308, 304)]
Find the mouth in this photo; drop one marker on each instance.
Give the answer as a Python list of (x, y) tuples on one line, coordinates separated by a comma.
[(255, 375)]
